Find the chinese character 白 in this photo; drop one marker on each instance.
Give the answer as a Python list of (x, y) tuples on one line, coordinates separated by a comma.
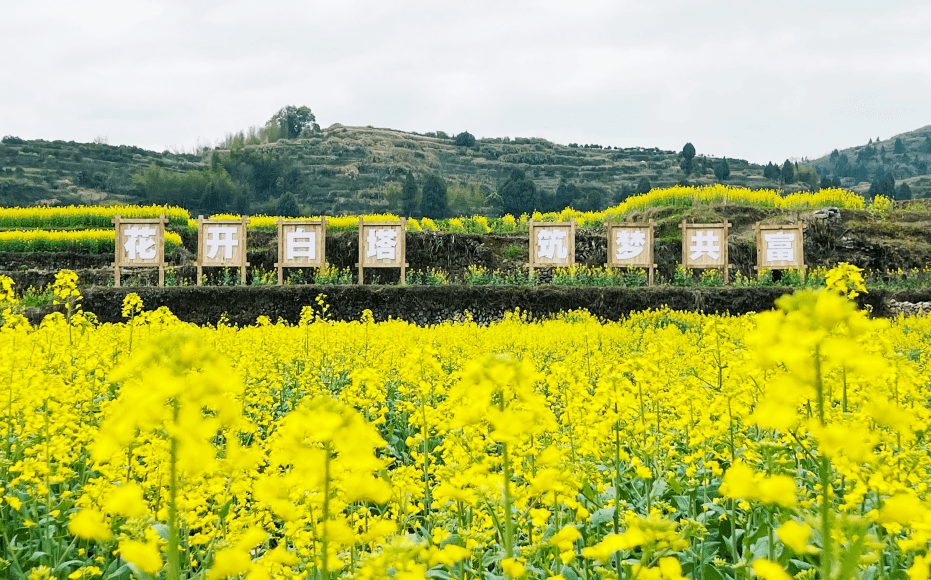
[(629, 244), (221, 236), (550, 244), (779, 247), (300, 244), (705, 242), (140, 241), (380, 243)]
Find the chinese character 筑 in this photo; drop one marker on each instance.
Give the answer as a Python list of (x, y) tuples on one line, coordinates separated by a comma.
[(221, 236), (140, 242), (779, 247), (300, 244), (380, 243), (705, 242), (630, 244), (550, 244)]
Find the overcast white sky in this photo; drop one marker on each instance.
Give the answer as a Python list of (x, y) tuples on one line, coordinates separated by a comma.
[(756, 80)]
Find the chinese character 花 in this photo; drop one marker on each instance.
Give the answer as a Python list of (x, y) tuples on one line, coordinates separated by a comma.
[(140, 242)]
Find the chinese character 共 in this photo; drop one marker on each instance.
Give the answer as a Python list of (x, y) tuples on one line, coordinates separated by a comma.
[(705, 242)]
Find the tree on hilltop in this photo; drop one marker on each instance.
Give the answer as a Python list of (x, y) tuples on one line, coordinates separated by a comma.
[(291, 121), (788, 172), (464, 139), (722, 170), (687, 154)]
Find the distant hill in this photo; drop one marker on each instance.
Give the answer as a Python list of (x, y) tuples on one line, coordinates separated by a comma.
[(906, 157), (341, 170), (42, 172)]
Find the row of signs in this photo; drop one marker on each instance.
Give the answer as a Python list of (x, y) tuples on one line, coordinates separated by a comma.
[(302, 244)]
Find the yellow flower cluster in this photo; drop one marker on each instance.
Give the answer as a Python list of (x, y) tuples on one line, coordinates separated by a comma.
[(95, 241), (666, 445), (682, 196), (85, 216)]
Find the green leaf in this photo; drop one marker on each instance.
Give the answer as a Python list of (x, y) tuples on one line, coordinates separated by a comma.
[(603, 516)]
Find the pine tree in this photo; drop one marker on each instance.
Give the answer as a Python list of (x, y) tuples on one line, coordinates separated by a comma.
[(788, 172), (409, 197), (519, 194), (721, 170), (433, 203), (688, 152)]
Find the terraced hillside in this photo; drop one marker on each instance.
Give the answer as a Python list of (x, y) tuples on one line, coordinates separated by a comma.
[(351, 170), (42, 172), (359, 169)]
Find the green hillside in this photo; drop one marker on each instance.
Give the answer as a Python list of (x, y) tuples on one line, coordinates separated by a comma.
[(343, 170), (42, 172), (889, 163)]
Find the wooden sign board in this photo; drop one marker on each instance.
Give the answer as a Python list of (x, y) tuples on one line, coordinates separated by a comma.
[(139, 242), (630, 245), (705, 246), (779, 247), (222, 243), (301, 244), (382, 245), (551, 244)]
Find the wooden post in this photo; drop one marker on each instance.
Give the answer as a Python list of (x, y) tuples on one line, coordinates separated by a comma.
[(403, 244), (117, 244), (727, 264), (361, 251), (572, 241), (200, 250), (245, 253), (280, 261), (530, 247), (160, 235), (653, 266)]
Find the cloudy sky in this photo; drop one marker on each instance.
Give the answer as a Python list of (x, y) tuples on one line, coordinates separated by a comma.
[(749, 79)]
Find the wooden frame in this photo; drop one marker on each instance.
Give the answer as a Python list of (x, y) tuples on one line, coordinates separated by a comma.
[(711, 262), (636, 261), (124, 257), (798, 250), (238, 252), (555, 261), (319, 236), (400, 248)]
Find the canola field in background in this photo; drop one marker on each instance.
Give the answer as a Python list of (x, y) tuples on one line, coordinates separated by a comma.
[(83, 217), (790, 443)]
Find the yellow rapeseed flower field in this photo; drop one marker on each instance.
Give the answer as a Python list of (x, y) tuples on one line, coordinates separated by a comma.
[(790, 443), (94, 241), (92, 216)]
